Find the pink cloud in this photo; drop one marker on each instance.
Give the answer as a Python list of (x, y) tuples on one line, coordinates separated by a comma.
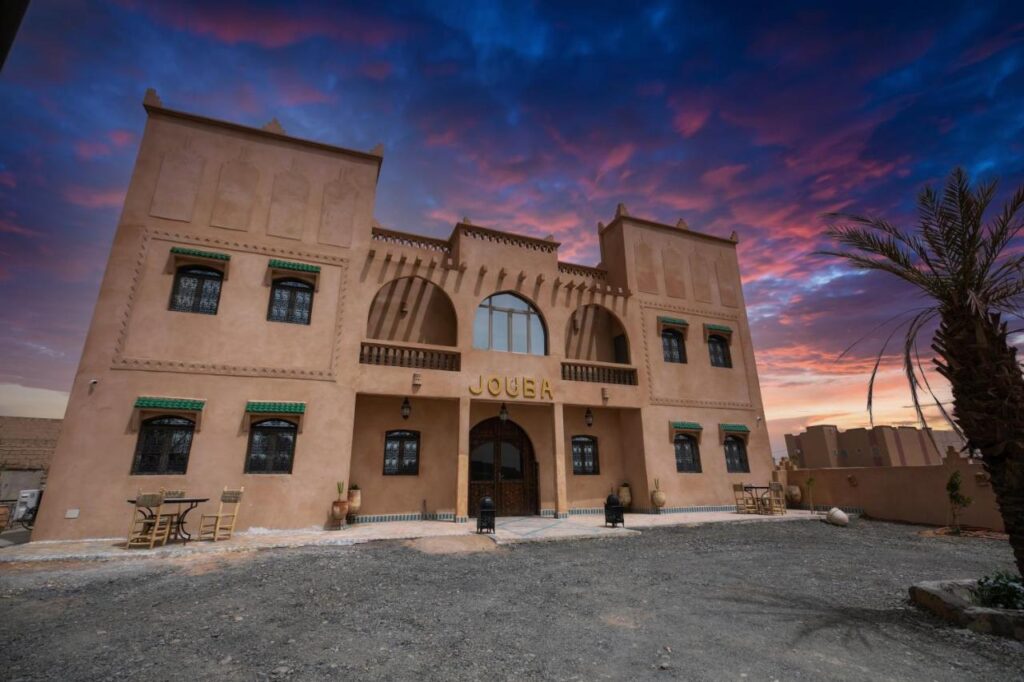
[(7, 179), (616, 158), (120, 138), (690, 116), (722, 178), (90, 149), (294, 93), (377, 71), (9, 227), (87, 197)]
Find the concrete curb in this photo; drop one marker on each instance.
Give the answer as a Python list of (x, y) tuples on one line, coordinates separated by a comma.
[(950, 600)]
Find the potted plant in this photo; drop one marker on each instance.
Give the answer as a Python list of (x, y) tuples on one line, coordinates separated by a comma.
[(339, 508), (625, 496), (355, 499), (657, 496)]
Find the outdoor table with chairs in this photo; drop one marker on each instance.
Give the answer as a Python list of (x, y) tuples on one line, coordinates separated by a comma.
[(161, 516), (760, 499)]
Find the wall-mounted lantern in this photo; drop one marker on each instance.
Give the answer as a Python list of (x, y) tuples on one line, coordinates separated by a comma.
[(406, 408), (588, 417), (503, 413)]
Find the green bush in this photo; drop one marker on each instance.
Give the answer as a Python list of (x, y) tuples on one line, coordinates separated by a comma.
[(1001, 590)]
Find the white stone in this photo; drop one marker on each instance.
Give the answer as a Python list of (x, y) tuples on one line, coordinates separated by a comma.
[(837, 517)]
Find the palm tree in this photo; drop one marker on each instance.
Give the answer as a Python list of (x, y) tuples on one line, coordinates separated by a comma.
[(972, 280)]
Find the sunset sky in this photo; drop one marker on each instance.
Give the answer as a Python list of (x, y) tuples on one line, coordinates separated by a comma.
[(535, 118)]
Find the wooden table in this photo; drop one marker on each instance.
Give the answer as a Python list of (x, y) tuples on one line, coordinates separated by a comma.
[(762, 504), (185, 505)]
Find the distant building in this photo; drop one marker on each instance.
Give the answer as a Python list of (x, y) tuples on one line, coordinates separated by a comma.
[(26, 447), (826, 447)]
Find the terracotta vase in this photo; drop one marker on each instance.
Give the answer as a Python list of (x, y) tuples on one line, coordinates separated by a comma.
[(339, 510), (355, 501), (794, 496), (625, 497), (658, 498)]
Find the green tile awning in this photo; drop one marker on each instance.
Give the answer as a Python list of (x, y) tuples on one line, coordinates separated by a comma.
[(290, 265), (734, 428), (673, 320), (154, 403), (275, 408), (687, 426), (718, 328), (196, 253)]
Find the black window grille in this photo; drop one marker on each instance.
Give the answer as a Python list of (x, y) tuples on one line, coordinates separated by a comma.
[(163, 446), (718, 347), (196, 290), (672, 346), (584, 456), (291, 300), (271, 447), (402, 453), (736, 456), (687, 454)]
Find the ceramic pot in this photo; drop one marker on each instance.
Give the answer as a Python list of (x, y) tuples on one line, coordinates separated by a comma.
[(625, 497), (339, 510), (658, 499), (837, 517), (793, 495), (355, 501)]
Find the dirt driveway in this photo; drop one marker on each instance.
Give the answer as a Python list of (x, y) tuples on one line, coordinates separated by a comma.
[(782, 601)]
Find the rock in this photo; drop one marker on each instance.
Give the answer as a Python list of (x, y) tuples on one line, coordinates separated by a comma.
[(837, 517)]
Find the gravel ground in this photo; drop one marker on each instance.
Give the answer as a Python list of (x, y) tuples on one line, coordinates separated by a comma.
[(778, 601)]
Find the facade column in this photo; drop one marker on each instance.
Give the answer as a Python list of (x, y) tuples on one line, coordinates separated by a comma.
[(462, 470), (561, 494)]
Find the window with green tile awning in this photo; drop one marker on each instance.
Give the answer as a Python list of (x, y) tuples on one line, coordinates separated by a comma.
[(734, 428), (291, 265), (196, 253), (687, 426), (261, 407), (718, 328), (156, 403), (678, 321)]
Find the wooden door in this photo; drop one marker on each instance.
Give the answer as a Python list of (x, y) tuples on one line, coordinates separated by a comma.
[(502, 465)]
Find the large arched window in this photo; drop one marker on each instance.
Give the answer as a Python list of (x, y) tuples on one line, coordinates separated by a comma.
[(291, 300), (718, 348), (271, 447), (507, 322), (673, 347), (736, 456), (584, 456), (196, 290), (687, 454), (163, 446)]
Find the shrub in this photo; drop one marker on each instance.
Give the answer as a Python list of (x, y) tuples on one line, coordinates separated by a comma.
[(1001, 590)]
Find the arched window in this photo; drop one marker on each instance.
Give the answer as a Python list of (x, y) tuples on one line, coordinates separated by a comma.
[(687, 454), (402, 453), (718, 347), (672, 346), (507, 322), (736, 456), (196, 290), (584, 456), (271, 447), (291, 300), (163, 446)]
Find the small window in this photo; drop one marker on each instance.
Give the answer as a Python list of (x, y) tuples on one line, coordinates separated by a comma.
[(584, 456), (196, 290), (687, 454), (402, 453), (718, 347), (736, 456), (163, 446), (291, 300), (271, 447), (672, 346)]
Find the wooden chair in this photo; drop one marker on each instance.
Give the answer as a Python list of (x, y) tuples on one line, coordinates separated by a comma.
[(745, 503), (221, 525), (776, 498), (149, 524)]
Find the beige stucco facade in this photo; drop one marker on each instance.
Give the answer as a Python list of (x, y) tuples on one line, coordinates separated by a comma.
[(393, 317), (825, 446)]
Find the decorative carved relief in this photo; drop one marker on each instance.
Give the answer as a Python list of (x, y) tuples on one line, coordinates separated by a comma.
[(236, 192), (728, 281), (646, 271), (673, 264), (288, 205), (177, 185), (701, 270), (342, 198)]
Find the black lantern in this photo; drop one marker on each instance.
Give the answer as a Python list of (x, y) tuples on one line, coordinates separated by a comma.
[(406, 409), (613, 511), (588, 418), (485, 515), (503, 413)]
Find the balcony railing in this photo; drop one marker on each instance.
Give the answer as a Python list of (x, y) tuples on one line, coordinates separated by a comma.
[(416, 357), (599, 373)]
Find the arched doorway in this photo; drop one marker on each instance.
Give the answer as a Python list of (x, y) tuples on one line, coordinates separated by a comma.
[(502, 465)]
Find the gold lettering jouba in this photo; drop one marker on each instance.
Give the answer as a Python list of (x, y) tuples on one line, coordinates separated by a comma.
[(494, 386), (512, 386), (529, 387), (479, 388), (545, 388)]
